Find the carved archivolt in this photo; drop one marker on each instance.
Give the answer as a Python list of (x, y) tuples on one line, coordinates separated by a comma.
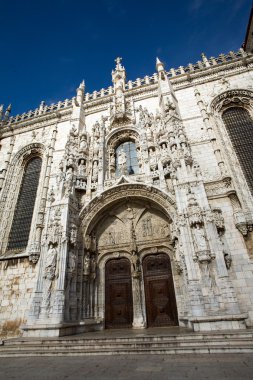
[(91, 213), (121, 135), (12, 185), (237, 97)]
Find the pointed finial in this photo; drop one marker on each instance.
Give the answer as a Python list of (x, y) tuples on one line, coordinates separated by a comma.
[(118, 62), (159, 65), (82, 85)]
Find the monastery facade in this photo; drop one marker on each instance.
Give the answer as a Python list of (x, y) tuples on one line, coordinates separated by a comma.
[(131, 207)]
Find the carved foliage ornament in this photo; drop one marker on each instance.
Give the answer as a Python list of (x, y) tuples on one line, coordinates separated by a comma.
[(227, 98)]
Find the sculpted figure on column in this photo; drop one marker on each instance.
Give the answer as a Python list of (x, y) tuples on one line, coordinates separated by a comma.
[(49, 275), (200, 238), (122, 161)]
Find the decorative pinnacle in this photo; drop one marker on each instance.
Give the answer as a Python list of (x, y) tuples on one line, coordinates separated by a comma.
[(118, 63), (82, 85), (159, 65)]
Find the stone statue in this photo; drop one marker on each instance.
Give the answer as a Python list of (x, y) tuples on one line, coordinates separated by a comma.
[(71, 263), (69, 180), (50, 265), (199, 238), (122, 161), (86, 265), (82, 168), (135, 262), (95, 171), (49, 275), (83, 144)]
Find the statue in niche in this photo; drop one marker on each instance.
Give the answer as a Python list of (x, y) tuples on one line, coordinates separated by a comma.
[(72, 263), (122, 161), (73, 234), (82, 168), (93, 267), (69, 181), (95, 171), (70, 160), (86, 264), (199, 238), (83, 144), (88, 242), (152, 159), (60, 174), (49, 275)]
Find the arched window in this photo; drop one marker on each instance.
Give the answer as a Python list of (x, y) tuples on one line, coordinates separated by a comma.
[(126, 159), (23, 213), (239, 126)]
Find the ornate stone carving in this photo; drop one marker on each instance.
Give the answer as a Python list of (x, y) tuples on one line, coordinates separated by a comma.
[(49, 275), (235, 96)]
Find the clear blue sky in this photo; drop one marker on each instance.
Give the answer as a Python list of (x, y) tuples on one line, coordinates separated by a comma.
[(48, 47)]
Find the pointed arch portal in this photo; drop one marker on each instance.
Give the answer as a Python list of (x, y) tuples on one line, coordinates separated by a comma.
[(135, 286)]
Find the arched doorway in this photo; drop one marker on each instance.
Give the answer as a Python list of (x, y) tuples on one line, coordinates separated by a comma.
[(118, 294), (159, 291), (123, 223)]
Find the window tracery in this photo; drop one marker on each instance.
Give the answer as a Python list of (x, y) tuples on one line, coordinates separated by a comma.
[(239, 126), (23, 213)]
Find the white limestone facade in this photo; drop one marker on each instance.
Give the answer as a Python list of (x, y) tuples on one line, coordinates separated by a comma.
[(143, 213)]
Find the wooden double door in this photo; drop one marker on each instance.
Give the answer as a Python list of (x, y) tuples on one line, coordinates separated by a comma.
[(160, 297), (118, 294), (161, 307)]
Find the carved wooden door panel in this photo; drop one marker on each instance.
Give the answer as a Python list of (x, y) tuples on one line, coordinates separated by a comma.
[(118, 294), (159, 291)]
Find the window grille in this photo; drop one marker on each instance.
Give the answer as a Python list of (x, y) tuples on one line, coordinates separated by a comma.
[(129, 148), (239, 126), (23, 213)]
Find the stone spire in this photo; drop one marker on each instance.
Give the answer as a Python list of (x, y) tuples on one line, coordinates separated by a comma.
[(80, 93), (119, 111), (159, 65), (119, 76)]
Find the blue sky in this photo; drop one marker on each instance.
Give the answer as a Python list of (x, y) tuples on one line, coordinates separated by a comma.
[(48, 47)]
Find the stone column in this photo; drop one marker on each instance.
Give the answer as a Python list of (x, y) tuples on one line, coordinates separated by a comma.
[(138, 318)]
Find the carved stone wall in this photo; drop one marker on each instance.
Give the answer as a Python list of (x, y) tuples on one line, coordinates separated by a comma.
[(187, 200)]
